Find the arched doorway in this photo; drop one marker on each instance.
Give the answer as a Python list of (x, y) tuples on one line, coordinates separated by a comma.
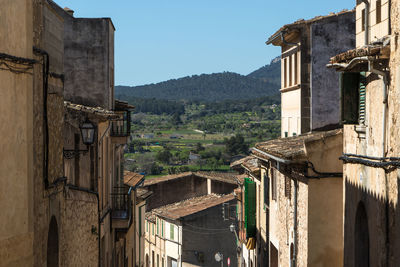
[(361, 238), (52, 244)]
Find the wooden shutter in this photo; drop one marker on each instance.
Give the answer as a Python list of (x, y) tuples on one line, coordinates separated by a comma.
[(362, 94), (349, 85), (288, 187), (250, 207), (266, 189)]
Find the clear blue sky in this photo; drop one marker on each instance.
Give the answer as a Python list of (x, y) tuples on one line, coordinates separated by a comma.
[(157, 40)]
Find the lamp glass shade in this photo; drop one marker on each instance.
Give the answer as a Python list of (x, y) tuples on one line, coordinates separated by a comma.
[(88, 131)]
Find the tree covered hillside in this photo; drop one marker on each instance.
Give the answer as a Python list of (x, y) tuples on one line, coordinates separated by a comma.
[(211, 87)]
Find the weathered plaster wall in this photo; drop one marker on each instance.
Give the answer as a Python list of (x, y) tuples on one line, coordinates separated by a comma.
[(87, 59), (197, 237), (329, 37), (176, 190), (16, 153)]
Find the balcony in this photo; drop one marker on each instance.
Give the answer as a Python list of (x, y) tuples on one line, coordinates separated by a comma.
[(120, 129), (121, 213)]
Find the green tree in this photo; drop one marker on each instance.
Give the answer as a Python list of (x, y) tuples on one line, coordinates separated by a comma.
[(164, 156)]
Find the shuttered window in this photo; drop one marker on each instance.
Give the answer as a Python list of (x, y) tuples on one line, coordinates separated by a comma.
[(362, 102), (250, 207), (378, 11), (273, 184), (171, 232), (266, 189), (349, 97), (288, 187)]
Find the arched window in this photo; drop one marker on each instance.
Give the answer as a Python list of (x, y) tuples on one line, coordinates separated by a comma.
[(361, 237), (52, 244)]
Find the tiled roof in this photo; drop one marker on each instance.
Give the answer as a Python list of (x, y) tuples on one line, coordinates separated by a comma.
[(291, 148), (249, 162), (302, 21), (143, 193), (122, 105), (217, 176), (380, 49), (98, 111), (132, 178), (190, 206)]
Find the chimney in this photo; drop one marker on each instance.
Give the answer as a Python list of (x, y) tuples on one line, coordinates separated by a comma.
[(69, 11)]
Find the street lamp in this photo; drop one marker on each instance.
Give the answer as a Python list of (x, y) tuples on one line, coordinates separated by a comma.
[(88, 133), (232, 228), (219, 257)]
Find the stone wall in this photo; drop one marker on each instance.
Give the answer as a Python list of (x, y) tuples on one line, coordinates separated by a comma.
[(16, 155), (329, 37), (175, 191), (206, 232), (79, 229)]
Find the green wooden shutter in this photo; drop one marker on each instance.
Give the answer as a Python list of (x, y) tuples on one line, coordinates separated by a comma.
[(349, 97), (250, 207), (171, 231), (266, 189), (362, 94)]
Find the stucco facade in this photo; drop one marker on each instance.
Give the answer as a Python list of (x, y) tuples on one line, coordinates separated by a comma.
[(371, 229), (309, 91)]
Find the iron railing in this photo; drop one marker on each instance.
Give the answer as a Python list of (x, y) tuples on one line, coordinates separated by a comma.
[(121, 203)]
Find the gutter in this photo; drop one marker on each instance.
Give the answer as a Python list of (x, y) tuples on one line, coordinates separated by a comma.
[(278, 159)]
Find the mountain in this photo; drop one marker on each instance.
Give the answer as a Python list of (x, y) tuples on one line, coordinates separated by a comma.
[(270, 72), (211, 87)]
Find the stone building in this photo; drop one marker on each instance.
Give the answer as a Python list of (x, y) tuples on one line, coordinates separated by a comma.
[(301, 179), (370, 85), (253, 238), (191, 232), (297, 171), (32, 117), (173, 188), (309, 91)]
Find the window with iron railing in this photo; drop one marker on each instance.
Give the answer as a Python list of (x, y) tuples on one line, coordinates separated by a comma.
[(121, 208), (121, 127)]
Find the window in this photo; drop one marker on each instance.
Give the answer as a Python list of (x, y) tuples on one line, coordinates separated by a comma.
[(158, 260), (378, 11), (266, 189), (284, 72), (273, 184), (147, 227), (290, 70), (363, 20), (152, 259), (171, 232), (353, 97), (152, 228), (162, 262), (288, 184), (286, 134), (362, 94), (162, 228), (158, 226), (296, 74)]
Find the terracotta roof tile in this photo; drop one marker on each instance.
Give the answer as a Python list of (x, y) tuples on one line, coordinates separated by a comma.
[(291, 148), (217, 176), (309, 21), (97, 111), (190, 206), (132, 178)]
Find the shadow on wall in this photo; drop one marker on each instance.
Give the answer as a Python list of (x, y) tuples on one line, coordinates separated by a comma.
[(371, 227)]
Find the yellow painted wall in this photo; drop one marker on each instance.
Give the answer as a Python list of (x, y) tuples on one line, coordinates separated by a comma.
[(16, 154)]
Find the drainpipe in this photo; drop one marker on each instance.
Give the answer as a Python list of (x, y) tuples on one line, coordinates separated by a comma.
[(296, 188), (366, 40), (384, 110)]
